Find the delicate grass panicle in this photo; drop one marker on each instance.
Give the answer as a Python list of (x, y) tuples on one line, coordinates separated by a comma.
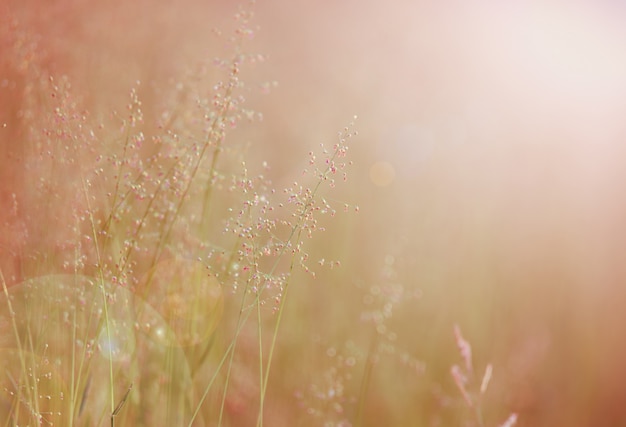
[(473, 392), (167, 283)]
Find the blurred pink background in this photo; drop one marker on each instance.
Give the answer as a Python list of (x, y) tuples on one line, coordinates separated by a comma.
[(489, 162)]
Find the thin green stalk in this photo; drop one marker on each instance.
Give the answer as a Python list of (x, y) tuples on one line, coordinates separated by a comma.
[(227, 353), (104, 296), (306, 210), (17, 337), (241, 320), (84, 360), (224, 278), (260, 334), (279, 317), (209, 190), (116, 191), (33, 373), (73, 367)]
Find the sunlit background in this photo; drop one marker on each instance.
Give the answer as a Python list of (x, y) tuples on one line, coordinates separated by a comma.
[(489, 171)]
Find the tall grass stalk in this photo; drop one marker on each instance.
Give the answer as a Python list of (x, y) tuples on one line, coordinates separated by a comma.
[(19, 345), (105, 302)]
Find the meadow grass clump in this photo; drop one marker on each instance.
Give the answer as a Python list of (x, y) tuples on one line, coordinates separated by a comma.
[(156, 270), (115, 314)]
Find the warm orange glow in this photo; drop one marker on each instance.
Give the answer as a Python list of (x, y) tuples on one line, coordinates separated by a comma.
[(382, 174), (488, 169)]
